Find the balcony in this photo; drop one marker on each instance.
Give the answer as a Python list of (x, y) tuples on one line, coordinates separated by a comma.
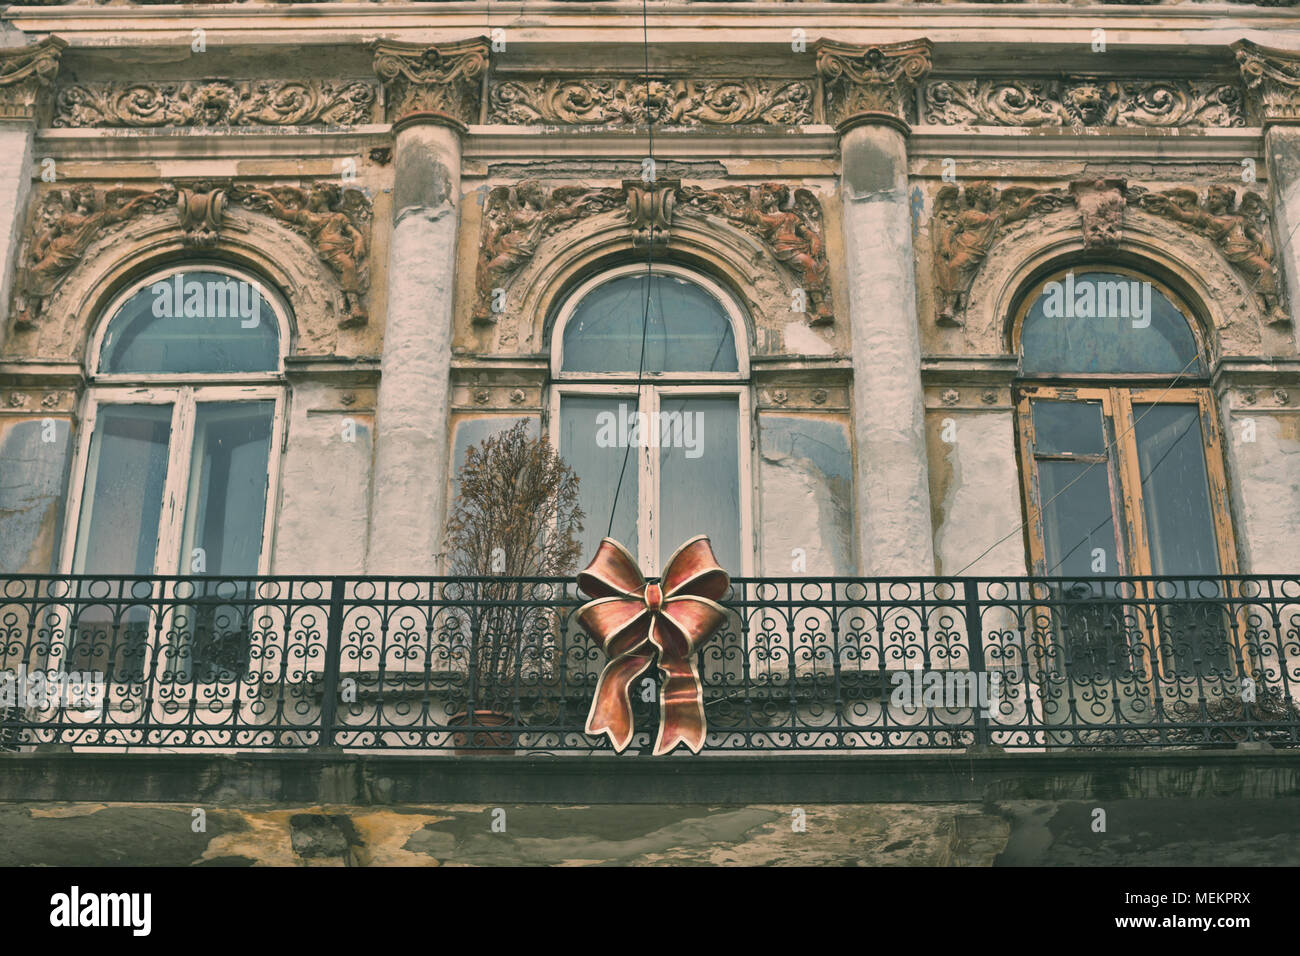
[(830, 666)]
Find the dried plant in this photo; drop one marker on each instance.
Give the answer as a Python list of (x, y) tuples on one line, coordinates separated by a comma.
[(516, 516)]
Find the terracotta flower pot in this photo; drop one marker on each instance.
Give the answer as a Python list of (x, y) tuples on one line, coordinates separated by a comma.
[(480, 740)]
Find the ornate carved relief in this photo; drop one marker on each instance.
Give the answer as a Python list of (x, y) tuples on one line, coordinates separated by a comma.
[(967, 223), (67, 222), (24, 73), (445, 80), (1082, 102), (870, 80), (965, 226), (335, 222), (517, 218), (216, 103), (1273, 77), (666, 102), (1240, 230)]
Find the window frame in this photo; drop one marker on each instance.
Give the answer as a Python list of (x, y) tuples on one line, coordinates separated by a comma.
[(184, 391), (654, 387)]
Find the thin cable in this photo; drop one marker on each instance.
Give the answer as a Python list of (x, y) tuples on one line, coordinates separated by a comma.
[(649, 262)]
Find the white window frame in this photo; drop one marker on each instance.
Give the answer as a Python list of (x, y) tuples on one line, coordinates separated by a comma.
[(649, 396), (184, 391)]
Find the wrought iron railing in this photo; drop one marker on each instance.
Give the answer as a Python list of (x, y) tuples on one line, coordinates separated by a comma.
[(499, 665)]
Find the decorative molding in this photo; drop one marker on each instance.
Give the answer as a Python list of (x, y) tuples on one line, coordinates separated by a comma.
[(665, 102), (968, 222), (25, 72), (1083, 102), (336, 221), (66, 222), (445, 81), (1273, 78), (516, 219), (870, 83), (1239, 229), (206, 103)]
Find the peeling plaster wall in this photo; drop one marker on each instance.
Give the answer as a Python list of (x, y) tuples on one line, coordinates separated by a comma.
[(1264, 479), (33, 482), (975, 492), (325, 486), (805, 483)]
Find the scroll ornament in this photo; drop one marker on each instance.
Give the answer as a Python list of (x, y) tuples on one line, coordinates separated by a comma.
[(633, 622)]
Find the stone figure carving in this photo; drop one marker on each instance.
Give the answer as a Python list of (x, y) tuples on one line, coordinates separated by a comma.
[(517, 218), (965, 226), (789, 222), (1101, 210), (334, 221), (67, 222), (1241, 231)]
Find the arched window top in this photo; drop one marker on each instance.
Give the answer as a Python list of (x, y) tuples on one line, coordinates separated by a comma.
[(1106, 321), (690, 325), (192, 321)]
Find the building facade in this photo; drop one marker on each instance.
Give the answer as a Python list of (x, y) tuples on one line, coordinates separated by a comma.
[(858, 290)]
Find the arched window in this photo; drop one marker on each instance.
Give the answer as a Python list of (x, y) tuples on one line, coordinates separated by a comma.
[(175, 469), (1123, 470), (683, 432)]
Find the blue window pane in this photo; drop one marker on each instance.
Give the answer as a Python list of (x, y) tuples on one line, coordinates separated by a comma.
[(193, 322), (686, 328), (1104, 322)]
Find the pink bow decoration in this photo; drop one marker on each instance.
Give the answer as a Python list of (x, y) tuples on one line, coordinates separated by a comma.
[(632, 620)]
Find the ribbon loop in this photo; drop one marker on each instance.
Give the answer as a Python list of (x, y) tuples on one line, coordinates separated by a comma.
[(635, 622)]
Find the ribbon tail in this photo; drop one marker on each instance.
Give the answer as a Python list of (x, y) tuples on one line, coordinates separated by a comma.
[(681, 707), (611, 706)]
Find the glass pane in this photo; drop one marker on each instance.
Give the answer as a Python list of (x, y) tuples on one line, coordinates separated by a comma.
[(124, 489), (227, 490), (1078, 526), (699, 476), (118, 534), (687, 329), (222, 536), (193, 322), (1175, 489), (1106, 322), (595, 432), (1068, 428)]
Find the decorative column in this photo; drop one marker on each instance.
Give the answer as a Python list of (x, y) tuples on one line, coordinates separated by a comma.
[(25, 73), (1273, 79), (867, 93), (432, 93)]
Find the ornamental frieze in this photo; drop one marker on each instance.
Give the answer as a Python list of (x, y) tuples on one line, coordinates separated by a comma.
[(517, 218), (1082, 102), (967, 223), (335, 221), (444, 81), (665, 102), (205, 103)]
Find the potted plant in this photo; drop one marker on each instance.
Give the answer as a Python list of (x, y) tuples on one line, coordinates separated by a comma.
[(515, 516)]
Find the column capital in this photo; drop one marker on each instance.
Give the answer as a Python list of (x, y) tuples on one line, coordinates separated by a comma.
[(25, 72), (439, 84), (1273, 79), (870, 83)]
